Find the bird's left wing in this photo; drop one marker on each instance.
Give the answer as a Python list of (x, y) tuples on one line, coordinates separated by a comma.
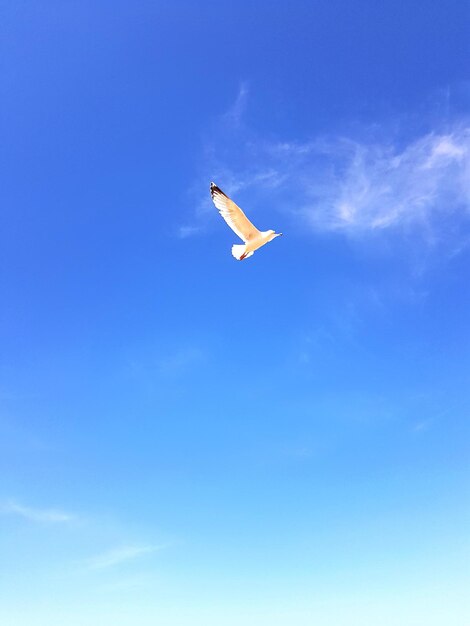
[(233, 215)]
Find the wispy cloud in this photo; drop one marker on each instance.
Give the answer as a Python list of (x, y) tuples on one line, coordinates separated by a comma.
[(235, 112), (351, 186), (121, 555), (354, 185), (422, 426), (374, 186), (44, 516), (188, 231)]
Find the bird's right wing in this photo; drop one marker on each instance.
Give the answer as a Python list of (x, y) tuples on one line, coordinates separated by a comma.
[(233, 215)]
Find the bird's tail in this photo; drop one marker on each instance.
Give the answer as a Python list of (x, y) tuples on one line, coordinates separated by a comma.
[(239, 253)]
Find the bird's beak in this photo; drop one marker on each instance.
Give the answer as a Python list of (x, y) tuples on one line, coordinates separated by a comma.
[(279, 235)]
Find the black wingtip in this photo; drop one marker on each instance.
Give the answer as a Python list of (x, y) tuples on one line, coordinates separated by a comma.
[(216, 189)]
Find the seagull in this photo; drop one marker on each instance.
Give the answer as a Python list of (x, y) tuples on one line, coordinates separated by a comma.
[(241, 225)]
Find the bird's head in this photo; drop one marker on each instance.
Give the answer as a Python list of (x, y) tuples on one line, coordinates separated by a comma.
[(271, 234)]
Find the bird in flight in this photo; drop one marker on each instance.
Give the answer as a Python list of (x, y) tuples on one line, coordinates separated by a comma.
[(241, 225)]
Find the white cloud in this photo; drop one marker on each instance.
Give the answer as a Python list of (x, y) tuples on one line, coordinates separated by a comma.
[(120, 555), (377, 186), (344, 185), (349, 185), (46, 516)]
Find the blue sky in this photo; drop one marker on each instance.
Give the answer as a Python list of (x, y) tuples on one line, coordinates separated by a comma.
[(186, 440)]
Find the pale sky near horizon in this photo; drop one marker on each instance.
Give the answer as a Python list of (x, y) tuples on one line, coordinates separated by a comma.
[(186, 440)]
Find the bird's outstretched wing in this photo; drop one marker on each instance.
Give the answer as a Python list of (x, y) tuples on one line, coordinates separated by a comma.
[(233, 215)]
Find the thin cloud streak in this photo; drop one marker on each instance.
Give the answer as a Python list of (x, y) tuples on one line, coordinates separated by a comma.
[(188, 231), (121, 555), (45, 516), (235, 112)]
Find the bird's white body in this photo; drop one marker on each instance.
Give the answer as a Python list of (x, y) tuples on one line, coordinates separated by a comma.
[(241, 226), (247, 249)]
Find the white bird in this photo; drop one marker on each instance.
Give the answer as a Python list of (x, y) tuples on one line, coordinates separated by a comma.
[(241, 225)]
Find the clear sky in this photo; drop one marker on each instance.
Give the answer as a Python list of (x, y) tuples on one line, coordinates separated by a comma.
[(187, 440)]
